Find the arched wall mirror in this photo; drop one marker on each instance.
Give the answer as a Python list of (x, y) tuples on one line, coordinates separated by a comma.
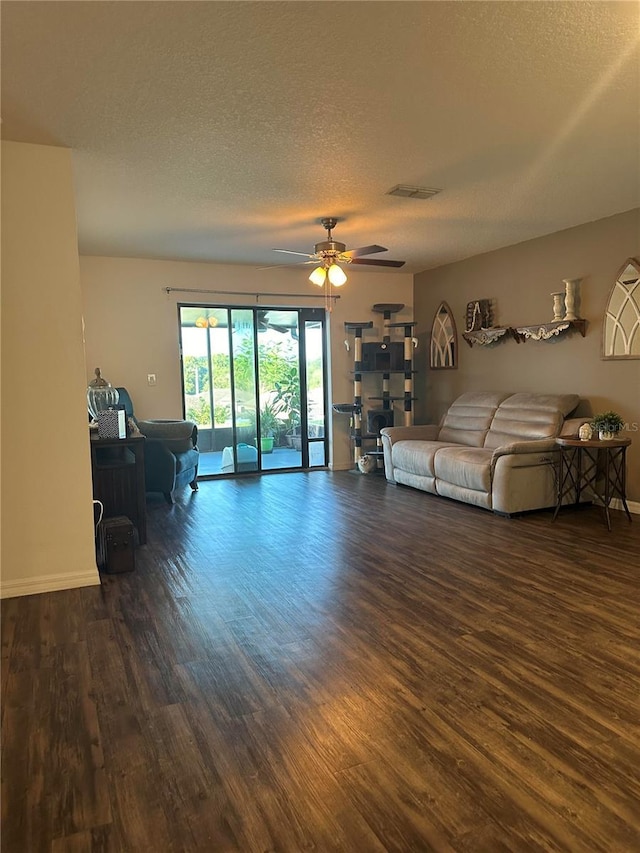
[(621, 328), (444, 340)]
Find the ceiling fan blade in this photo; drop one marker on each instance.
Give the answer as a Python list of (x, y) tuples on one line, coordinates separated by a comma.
[(374, 262), (289, 252), (290, 266), (364, 250)]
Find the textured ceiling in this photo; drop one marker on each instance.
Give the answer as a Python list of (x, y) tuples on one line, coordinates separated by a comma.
[(217, 131)]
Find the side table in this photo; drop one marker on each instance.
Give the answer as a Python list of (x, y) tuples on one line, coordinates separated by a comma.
[(581, 465), (117, 467)]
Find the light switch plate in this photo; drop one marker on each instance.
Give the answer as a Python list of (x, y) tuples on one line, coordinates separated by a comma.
[(151, 379)]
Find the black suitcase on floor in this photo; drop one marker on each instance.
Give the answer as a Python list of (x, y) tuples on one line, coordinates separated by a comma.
[(116, 552)]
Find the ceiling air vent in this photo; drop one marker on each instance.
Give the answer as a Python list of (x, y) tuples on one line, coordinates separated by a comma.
[(413, 192)]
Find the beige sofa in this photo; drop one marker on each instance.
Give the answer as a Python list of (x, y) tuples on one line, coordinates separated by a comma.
[(494, 450)]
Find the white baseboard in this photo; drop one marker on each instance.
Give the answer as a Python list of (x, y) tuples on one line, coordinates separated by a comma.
[(49, 583), (634, 506)]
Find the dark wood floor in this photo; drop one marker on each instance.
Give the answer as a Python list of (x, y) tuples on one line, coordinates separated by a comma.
[(327, 662)]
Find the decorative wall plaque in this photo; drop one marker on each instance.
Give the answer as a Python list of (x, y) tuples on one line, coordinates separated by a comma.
[(621, 328), (479, 315), (444, 340)]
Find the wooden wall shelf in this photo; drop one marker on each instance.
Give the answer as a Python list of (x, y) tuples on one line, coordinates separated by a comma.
[(485, 337), (547, 331), (521, 334)]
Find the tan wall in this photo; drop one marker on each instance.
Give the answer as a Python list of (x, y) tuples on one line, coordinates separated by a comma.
[(520, 279), (131, 323), (47, 514)]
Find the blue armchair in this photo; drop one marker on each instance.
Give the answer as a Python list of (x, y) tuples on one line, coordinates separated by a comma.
[(171, 454)]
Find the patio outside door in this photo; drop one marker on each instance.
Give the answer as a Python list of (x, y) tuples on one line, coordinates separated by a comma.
[(254, 381)]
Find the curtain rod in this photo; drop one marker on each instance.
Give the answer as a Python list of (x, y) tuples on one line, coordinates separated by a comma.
[(252, 293)]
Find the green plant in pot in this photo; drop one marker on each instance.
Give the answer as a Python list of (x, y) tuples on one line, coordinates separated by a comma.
[(270, 426), (607, 425), (288, 397)]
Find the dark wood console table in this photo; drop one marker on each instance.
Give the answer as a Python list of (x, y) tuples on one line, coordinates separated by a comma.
[(117, 467), (582, 463)]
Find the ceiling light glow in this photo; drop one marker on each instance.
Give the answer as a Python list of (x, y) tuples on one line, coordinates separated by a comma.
[(337, 275), (318, 276)]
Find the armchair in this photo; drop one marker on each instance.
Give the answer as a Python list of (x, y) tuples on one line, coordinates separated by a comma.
[(171, 451)]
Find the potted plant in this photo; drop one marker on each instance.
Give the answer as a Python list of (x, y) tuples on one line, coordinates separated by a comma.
[(288, 397), (270, 425), (608, 425)]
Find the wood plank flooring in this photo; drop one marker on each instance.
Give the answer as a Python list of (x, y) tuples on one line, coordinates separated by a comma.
[(319, 661)]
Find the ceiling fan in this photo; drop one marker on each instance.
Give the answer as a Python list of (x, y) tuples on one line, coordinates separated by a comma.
[(329, 253)]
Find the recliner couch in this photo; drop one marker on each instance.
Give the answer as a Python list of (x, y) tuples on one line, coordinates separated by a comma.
[(171, 454), (492, 449)]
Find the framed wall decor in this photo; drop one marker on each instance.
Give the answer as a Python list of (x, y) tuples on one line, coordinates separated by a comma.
[(443, 352), (479, 315), (621, 326)]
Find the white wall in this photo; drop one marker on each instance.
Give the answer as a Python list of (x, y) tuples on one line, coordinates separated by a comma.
[(47, 512), (131, 323)]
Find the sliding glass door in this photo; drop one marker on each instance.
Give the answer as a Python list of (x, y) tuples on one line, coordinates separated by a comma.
[(254, 381)]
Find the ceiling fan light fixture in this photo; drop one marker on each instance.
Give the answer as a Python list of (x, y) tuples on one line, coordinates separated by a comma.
[(330, 254), (318, 276), (337, 275)]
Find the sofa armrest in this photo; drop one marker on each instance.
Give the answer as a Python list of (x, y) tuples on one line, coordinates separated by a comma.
[(536, 445), (425, 432), (525, 454), (571, 426)]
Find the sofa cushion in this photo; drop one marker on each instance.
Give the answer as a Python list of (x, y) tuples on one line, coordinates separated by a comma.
[(415, 457), (467, 467), (522, 417), (468, 419)]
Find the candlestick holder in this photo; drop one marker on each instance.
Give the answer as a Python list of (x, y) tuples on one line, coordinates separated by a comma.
[(570, 297), (558, 305)]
